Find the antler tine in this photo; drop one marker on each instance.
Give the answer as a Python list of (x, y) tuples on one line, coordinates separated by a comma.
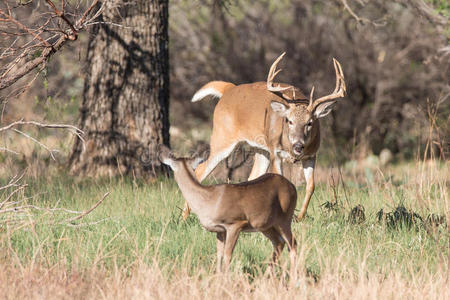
[(339, 90), (341, 75), (272, 74), (311, 98)]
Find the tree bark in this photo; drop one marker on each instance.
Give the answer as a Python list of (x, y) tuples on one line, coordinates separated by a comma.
[(125, 106)]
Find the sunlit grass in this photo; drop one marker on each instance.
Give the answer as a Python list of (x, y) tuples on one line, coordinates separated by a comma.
[(138, 229)]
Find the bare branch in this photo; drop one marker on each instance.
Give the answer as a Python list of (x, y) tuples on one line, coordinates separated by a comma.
[(23, 27), (60, 13), (427, 12), (13, 181), (75, 130), (27, 55), (353, 14), (9, 150), (32, 64), (14, 212), (37, 142), (359, 19)]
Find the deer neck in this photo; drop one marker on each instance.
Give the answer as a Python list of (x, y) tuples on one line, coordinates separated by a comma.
[(197, 196)]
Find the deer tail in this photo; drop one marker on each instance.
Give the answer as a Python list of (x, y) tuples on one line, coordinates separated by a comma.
[(213, 89)]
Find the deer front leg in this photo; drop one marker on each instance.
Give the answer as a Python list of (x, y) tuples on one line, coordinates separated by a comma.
[(308, 170), (260, 166), (232, 235), (220, 247), (275, 163)]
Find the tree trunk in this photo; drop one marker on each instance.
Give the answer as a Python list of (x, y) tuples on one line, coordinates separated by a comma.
[(125, 106)]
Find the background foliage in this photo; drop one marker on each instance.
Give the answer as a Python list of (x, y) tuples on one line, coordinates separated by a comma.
[(395, 57)]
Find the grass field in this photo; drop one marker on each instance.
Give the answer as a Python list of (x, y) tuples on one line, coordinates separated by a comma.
[(135, 244)]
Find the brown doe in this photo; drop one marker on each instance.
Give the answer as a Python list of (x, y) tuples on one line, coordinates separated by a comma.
[(265, 204), (275, 119)]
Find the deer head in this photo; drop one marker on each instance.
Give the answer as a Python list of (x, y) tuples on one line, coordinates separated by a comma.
[(167, 157), (301, 118)]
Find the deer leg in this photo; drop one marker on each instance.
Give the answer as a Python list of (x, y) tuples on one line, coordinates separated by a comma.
[(275, 163), (277, 242), (260, 166), (308, 170), (220, 247), (219, 151), (286, 233), (230, 241)]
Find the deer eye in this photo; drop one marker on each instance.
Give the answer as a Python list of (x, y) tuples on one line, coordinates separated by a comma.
[(290, 122), (308, 126)]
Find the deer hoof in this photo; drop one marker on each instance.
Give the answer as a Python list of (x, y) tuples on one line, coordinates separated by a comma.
[(299, 218), (185, 214)]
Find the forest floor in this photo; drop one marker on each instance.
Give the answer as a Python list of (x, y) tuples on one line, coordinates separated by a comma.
[(135, 243)]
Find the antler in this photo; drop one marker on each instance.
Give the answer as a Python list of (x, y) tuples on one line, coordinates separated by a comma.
[(338, 92), (272, 74)]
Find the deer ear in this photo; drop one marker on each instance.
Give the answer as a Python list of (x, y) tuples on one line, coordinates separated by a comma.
[(194, 162), (200, 155), (279, 108), (166, 156), (323, 109)]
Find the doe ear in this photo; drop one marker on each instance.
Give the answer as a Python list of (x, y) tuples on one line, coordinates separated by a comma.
[(200, 155), (323, 109), (165, 156), (279, 108), (195, 161)]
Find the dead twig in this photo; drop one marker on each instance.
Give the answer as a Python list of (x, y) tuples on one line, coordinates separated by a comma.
[(74, 130), (37, 142), (18, 214), (13, 181), (33, 42), (85, 213)]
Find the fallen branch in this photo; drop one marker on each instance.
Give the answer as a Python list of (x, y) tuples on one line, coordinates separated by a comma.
[(13, 181), (85, 213), (14, 212)]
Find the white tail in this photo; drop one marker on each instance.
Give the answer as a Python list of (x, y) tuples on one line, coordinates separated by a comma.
[(213, 89), (266, 204)]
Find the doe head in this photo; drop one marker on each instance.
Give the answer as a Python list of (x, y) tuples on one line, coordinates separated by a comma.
[(167, 157)]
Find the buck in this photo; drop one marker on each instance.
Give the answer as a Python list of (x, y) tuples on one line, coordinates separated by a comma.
[(265, 204), (276, 119)]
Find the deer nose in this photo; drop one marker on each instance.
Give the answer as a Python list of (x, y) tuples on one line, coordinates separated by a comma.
[(298, 148)]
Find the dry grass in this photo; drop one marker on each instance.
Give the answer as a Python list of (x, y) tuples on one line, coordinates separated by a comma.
[(144, 251), (152, 282)]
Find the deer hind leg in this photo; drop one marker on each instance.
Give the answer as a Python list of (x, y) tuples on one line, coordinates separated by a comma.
[(286, 233), (260, 166), (219, 151), (308, 171), (277, 241)]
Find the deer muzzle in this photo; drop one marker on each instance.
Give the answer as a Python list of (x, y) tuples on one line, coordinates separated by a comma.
[(298, 148)]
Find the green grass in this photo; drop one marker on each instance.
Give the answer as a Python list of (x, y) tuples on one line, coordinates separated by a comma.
[(140, 223)]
